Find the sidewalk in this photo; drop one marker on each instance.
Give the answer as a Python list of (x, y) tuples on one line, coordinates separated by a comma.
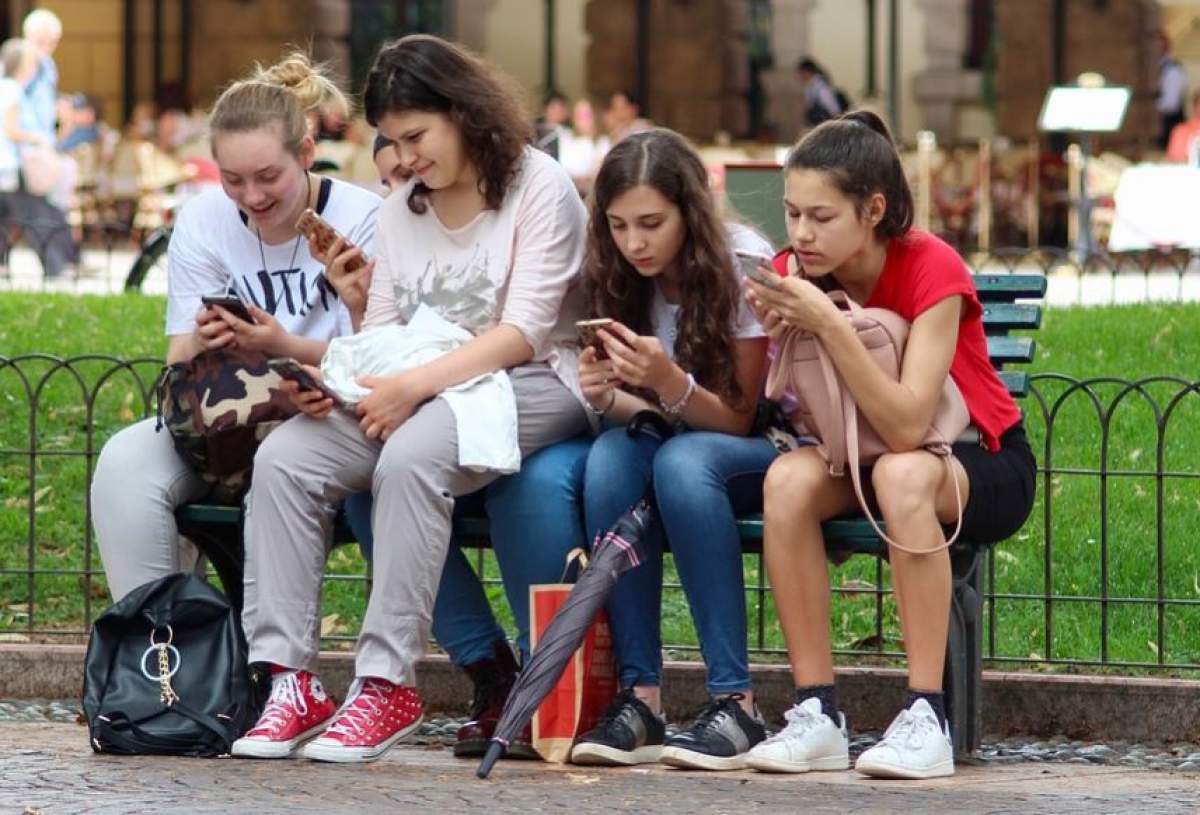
[(48, 768)]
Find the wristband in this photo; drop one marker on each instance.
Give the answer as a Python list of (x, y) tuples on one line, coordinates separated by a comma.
[(673, 410), (595, 411)]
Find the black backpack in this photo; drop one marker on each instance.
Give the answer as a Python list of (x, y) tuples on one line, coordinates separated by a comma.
[(166, 672)]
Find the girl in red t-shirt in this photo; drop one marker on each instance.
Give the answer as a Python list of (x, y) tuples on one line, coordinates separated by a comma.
[(849, 217)]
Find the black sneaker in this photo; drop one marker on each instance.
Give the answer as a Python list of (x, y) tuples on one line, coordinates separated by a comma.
[(719, 739), (628, 733)]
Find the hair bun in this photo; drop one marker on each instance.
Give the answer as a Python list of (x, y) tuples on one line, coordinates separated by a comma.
[(307, 81)]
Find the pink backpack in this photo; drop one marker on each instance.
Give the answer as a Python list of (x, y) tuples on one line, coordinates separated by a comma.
[(827, 410)]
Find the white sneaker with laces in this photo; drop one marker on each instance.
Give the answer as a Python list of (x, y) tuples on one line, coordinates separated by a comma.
[(809, 741), (914, 746)]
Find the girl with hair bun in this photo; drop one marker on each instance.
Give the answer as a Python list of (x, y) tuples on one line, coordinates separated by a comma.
[(849, 216), (488, 236), (240, 239)]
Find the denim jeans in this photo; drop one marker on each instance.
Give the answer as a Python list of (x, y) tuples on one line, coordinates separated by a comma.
[(701, 481), (535, 521)]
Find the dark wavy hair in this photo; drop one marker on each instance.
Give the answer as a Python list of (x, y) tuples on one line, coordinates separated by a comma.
[(425, 73), (856, 151), (704, 343)]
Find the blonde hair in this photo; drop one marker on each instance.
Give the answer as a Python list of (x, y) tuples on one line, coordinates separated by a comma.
[(288, 92), (41, 19), (13, 54)]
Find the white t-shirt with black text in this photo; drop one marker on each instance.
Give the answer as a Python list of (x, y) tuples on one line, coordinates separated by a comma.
[(214, 251)]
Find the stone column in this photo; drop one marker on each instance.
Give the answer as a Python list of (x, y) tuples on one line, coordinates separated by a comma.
[(944, 84), (331, 33), (789, 43), (469, 26)]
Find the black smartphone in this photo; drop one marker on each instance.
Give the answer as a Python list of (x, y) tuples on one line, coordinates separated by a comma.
[(230, 303), (288, 368)]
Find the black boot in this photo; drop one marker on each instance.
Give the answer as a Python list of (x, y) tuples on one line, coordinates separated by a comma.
[(492, 679)]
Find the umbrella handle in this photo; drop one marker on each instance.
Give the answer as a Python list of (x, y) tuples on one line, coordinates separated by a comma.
[(494, 751)]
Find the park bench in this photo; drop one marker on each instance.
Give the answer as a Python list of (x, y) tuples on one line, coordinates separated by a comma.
[(215, 529)]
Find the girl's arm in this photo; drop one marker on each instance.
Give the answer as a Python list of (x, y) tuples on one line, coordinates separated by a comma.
[(901, 412), (12, 127)]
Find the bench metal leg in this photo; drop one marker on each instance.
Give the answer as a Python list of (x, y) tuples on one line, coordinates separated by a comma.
[(962, 678)]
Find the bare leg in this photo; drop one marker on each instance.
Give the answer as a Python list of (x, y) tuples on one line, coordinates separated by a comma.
[(915, 495), (798, 494)]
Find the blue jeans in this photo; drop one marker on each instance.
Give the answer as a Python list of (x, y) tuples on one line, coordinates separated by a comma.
[(701, 481), (535, 521)]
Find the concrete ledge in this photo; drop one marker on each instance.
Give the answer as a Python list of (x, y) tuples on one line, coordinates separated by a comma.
[(1082, 707)]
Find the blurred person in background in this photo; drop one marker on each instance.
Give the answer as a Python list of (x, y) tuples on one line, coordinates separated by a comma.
[(43, 30), (1172, 91), (79, 122), (821, 100), (623, 117)]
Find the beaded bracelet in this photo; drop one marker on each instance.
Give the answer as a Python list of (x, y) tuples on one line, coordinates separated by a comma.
[(595, 411), (675, 409)]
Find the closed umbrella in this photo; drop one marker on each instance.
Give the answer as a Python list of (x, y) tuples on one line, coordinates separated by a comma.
[(617, 551)]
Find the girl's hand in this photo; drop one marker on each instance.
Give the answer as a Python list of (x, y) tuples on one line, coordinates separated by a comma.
[(798, 303), (264, 334), (641, 362), (313, 404), (391, 402), (596, 379), (351, 287), (212, 331)]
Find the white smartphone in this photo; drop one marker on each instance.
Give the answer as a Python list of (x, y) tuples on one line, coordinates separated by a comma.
[(757, 267)]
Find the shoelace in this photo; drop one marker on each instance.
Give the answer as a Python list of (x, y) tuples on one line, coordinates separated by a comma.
[(799, 721), (910, 729), (286, 698), (364, 702), (613, 712), (711, 716)]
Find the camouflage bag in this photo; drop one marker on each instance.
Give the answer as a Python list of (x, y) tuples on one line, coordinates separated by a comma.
[(218, 408)]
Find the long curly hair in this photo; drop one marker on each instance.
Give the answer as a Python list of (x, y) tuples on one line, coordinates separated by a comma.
[(709, 293), (426, 73)]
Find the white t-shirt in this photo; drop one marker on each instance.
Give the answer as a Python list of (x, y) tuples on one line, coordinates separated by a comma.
[(213, 251), (518, 265), (10, 94), (665, 316)]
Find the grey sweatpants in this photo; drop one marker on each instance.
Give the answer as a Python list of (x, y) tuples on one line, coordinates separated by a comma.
[(306, 466), (139, 482)]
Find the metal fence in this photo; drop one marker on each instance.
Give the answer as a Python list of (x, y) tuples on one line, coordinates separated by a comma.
[(1105, 573)]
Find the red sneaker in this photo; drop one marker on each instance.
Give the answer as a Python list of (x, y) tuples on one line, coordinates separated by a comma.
[(297, 709), (376, 715)]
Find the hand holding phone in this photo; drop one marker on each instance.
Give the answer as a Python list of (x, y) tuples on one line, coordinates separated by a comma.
[(758, 268), (589, 334), (288, 368), (230, 303), (322, 236)]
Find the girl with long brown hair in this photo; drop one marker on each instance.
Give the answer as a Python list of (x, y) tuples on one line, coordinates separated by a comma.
[(661, 265)]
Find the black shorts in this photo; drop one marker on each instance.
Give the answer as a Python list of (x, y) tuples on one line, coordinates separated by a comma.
[(1002, 487)]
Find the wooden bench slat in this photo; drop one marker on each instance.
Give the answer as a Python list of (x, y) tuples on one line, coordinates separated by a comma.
[(1004, 288), (1003, 350), (1000, 317)]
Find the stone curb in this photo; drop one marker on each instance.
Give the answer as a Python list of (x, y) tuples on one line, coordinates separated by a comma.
[(1081, 707)]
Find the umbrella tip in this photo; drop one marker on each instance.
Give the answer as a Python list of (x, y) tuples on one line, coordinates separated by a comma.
[(494, 751)]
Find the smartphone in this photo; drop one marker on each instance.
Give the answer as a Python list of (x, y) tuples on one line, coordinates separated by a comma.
[(752, 263), (230, 303), (322, 234), (288, 368), (588, 334)]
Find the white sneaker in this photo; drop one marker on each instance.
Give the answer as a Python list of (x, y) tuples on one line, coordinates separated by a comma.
[(913, 746), (809, 741)]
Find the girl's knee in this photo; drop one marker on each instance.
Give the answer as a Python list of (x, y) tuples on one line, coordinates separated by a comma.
[(905, 482), (792, 479)]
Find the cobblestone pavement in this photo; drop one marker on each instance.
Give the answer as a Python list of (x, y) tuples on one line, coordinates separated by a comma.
[(46, 767)]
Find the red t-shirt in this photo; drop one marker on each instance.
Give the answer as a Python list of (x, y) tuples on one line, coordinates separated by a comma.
[(920, 271)]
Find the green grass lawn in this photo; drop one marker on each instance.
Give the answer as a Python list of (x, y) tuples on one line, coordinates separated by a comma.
[(1092, 430)]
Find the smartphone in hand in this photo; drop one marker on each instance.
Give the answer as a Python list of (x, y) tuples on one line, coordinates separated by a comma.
[(757, 267), (588, 334), (322, 234), (230, 303), (288, 368)]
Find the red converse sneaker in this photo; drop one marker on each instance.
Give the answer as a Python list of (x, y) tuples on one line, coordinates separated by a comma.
[(297, 709), (376, 715)]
